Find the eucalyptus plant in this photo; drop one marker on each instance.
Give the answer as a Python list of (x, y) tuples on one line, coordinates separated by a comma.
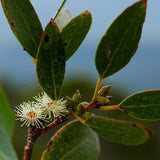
[(50, 50)]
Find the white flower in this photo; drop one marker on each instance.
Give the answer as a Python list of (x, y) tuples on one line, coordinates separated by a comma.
[(31, 114), (54, 108)]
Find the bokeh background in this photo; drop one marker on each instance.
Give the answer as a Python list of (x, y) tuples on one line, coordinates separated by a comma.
[(18, 76)]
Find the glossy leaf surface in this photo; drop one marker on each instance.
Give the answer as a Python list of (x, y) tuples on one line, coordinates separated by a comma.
[(6, 149), (24, 23), (143, 105), (51, 61), (120, 42), (75, 31), (6, 115), (74, 141), (128, 133)]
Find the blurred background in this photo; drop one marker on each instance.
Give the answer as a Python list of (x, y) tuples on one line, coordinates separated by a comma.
[(18, 76)]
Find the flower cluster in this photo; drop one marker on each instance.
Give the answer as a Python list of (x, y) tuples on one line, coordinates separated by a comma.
[(42, 109)]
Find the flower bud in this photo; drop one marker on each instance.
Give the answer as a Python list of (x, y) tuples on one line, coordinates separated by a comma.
[(76, 98), (102, 101), (80, 109), (69, 103), (109, 97), (104, 91)]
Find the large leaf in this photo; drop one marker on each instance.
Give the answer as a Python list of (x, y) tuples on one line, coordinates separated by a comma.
[(74, 141), (6, 149), (128, 133), (120, 42), (51, 61), (6, 115), (143, 105), (75, 31), (24, 23)]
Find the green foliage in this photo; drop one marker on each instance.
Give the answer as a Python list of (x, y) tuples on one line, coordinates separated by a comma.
[(120, 42), (75, 31), (7, 118), (6, 129), (143, 105), (51, 61), (128, 133), (51, 49), (73, 141), (6, 150), (24, 23)]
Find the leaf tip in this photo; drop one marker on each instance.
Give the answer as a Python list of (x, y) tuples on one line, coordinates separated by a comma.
[(52, 21), (85, 13), (145, 1)]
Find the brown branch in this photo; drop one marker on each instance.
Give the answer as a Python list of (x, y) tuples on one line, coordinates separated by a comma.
[(34, 133)]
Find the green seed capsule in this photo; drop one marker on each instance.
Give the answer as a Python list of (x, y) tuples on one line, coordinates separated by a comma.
[(102, 101), (76, 97), (104, 91)]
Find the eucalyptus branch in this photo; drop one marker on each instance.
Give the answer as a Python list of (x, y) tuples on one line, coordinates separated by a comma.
[(34, 133)]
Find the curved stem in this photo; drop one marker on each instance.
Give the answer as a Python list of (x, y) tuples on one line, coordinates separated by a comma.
[(61, 6), (79, 118), (98, 85), (108, 107)]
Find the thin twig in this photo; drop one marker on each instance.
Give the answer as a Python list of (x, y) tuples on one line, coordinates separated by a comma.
[(33, 134), (58, 11), (108, 107), (98, 85)]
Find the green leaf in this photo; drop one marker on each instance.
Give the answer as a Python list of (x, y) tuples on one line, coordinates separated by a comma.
[(120, 42), (63, 18), (6, 115), (128, 133), (6, 149), (51, 61), (24, 23), (74, 141), (75, 31), (143, 105)]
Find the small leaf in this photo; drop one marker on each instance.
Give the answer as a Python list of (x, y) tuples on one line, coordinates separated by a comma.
[(143, 105), (63, 18), (128, 133), (74, 141), (120, 42), (51, 61), (75, 31), (6, 149), (24, 23), (6, 115)]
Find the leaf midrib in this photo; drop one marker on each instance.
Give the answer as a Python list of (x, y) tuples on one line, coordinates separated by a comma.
[(71, 151), (123, 39), (139, 106)]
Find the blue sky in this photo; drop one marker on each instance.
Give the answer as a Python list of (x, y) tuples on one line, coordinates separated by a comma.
[(18, 64)]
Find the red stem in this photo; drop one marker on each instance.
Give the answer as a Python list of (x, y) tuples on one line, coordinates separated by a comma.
[(33, 134)]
